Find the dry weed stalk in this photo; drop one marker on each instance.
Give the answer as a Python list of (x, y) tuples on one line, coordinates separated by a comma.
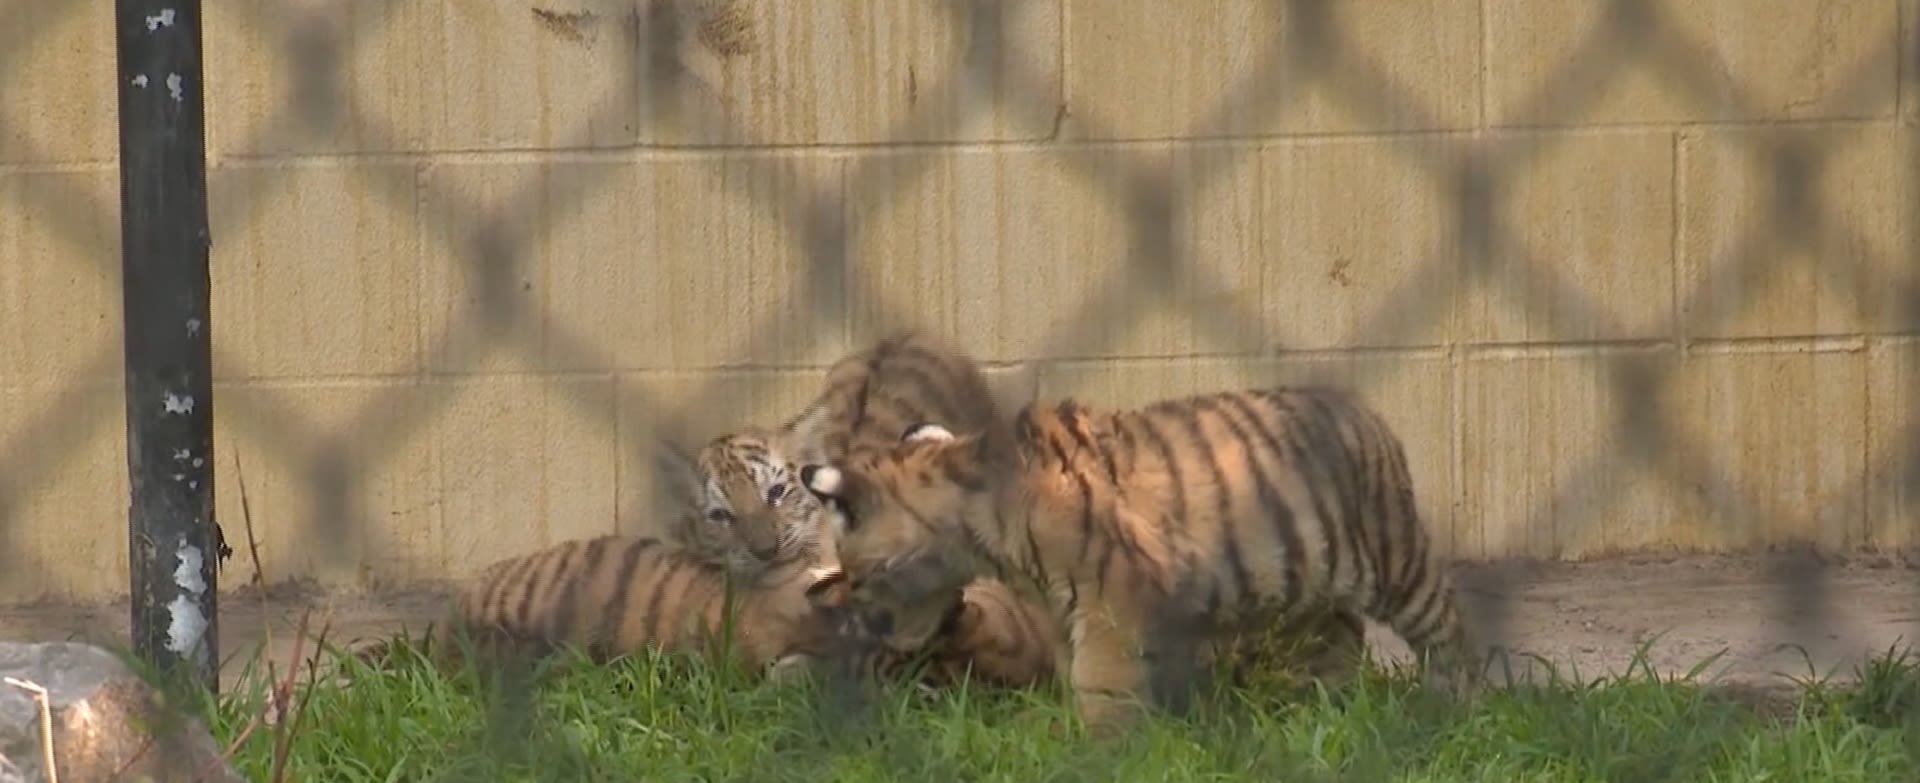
[(46, 723)]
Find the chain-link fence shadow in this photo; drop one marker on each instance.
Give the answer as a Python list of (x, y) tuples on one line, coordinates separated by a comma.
[(1483, 248)]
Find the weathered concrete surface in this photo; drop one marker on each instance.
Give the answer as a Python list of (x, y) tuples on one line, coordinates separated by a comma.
[(398, 418)]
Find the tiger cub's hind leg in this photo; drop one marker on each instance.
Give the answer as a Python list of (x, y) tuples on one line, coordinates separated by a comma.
[(1426, 613), (1292, 652), (1332, 644)]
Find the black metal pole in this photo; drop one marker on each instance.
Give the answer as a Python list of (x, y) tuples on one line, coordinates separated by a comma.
[(172, 539)]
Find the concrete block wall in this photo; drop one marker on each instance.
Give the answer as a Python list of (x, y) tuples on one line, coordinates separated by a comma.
[(469, 258)]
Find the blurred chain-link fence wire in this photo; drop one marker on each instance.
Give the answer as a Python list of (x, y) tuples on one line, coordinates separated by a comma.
[(1314, 56)]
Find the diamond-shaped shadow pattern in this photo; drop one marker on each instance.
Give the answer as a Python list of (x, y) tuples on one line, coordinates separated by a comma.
[(494, 237)]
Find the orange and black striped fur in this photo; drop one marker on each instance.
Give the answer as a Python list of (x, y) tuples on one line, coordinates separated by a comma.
[(1158, 532), (750, 512), (871, 397), (614, 595), (985, 633)]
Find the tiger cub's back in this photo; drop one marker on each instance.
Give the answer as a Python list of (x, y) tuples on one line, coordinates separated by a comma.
[(874, 396)]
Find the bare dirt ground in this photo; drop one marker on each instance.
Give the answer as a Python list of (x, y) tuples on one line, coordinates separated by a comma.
[(1586, 618)]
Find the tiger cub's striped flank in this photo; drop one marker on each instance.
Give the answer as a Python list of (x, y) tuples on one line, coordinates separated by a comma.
[(616, 595), (1158, 531)]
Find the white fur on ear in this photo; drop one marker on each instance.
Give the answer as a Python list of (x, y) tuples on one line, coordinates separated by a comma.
[(823, 479), (827, 585), (927, 431)]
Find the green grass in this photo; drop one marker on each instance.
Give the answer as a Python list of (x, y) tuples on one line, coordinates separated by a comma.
[(672, 719)]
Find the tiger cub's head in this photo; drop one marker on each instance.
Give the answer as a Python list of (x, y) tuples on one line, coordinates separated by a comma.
[(904, 537), (753, 512)]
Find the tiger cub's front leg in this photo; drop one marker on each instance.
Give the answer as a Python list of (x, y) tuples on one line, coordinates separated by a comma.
[(1126, 659), (1108, 672)]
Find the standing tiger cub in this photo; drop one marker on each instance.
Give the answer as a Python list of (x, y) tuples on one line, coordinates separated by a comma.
[(1155, 533)]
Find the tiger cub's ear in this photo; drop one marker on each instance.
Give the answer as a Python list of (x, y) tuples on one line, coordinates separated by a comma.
[(826, 481), (927, 431), (964, 456), (830, 587)]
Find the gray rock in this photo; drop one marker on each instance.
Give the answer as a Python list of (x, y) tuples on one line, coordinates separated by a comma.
[(106, 721)]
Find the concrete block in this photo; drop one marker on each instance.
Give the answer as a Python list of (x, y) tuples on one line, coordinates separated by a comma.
[(1593, 217), (1893, 453), (1708, 60), (751, 72), (1413, 392), (525, 463), (63, 496), (1014, 386), (1753, 449), (343, 480), (316, 270), (1745, 271), (1910, 54), (1029, 254), (1787, 434), (683, 263), (60, 297), (1349, 267), (57, 68), (1548, 467), (1123, 81), (419, 76), (488, 221)]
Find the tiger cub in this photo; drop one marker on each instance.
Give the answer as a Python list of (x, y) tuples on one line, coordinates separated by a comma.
[(1156, 532), (873, 396), (614, 595), (752, 513)]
